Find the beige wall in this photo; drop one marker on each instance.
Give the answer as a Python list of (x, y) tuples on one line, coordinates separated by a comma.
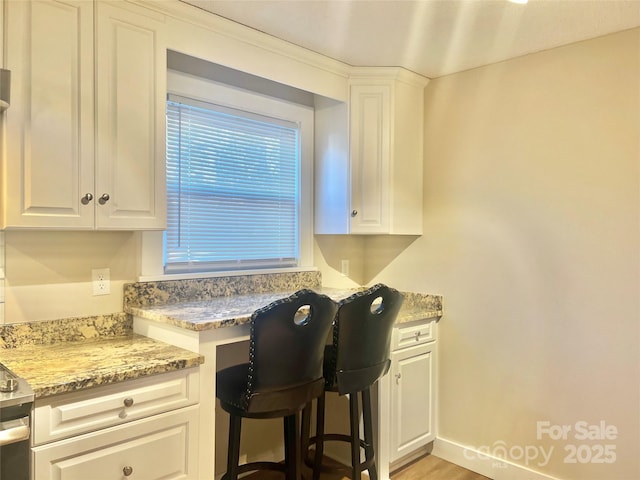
[(48, 274), (532, 235)]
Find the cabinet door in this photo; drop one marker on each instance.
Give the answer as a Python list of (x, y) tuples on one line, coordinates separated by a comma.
[(370, 158), (130, 93), (49, 125), (159, 447), (412, 399)]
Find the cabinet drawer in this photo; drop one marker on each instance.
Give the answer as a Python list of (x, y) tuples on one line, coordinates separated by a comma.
[(161, 447), (75, 413), (413, 334)]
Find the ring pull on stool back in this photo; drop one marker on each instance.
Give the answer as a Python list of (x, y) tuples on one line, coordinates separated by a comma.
[(284, 373), (357, 358)]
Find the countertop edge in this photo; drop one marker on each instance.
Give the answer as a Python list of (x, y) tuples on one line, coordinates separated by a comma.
[(103, 380)]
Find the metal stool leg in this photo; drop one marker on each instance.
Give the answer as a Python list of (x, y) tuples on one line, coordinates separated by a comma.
[(305, 428), (368, 433), (354, 414), (292, 447), (233, 453), (317, 460)]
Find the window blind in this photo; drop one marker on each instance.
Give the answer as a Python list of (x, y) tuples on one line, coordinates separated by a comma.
[(232, 189)]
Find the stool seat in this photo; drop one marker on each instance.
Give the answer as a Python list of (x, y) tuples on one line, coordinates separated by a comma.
[(358, 356), (232, 388), (284, 373)]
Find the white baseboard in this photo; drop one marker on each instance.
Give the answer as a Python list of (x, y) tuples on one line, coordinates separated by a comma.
[(484, 463)]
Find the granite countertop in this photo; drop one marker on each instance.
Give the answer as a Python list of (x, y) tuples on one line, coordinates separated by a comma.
[(227, 311), (64, 367), (66, 355)]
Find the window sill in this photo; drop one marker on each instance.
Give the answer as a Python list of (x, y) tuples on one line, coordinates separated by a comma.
[(230, 273)]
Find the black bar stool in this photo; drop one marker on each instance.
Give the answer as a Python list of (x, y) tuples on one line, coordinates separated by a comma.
[(357, 358), (284, 373)]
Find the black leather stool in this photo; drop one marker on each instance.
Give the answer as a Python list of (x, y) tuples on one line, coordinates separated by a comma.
[(357, 358), (284, 373)]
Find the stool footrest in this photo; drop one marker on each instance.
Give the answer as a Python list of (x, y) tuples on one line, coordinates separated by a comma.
[(254, 466), (336, 437)]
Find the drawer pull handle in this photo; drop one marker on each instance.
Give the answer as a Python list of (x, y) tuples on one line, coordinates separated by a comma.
[(128, 402), (127, 471), (417, 336)]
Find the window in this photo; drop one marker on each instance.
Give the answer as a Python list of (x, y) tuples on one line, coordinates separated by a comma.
[(238, 179)]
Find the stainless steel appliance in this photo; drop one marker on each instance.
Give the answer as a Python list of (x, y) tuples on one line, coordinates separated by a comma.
[(16, 403)]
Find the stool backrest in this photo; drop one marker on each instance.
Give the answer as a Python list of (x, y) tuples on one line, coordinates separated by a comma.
[(286, 350), (362, 337)]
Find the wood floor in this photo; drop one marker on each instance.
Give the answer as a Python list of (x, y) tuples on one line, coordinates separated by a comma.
[(425, 468), (434, 468)]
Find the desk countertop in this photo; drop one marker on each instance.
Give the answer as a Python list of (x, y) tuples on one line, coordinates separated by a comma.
[(227, 311)]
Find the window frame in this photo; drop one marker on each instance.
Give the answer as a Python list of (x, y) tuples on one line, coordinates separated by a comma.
[(209, 91)]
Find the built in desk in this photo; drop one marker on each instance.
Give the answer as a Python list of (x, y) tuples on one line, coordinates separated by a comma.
[(215, 319)]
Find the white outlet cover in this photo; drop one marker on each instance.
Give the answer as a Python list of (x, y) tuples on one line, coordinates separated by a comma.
[(344, 267), (100, 281)]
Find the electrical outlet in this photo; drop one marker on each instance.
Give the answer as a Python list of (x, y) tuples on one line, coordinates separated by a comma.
[(344, 267), (100, 281)]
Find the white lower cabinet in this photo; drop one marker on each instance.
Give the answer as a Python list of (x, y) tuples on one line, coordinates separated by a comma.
[(140, 429), (412, 399), (159, 447)]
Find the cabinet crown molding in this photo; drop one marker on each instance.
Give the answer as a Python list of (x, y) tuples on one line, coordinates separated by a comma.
[(388, 73), (188, 13), (181, 11)]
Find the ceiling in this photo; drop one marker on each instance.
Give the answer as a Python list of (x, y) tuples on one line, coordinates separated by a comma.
[(430, 37)]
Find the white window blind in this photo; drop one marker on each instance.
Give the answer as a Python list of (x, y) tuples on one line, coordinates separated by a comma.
[(233, 189)]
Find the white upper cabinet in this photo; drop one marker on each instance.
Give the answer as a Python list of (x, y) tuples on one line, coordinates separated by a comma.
[(369, 181), (131, 61), (50, 124), (85, 129)]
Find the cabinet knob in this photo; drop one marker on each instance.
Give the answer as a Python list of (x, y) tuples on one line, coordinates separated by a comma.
[(104, 198), (417, 336), (354, 213), (398, 377), (128, 402), (86, 199), (127, 471)]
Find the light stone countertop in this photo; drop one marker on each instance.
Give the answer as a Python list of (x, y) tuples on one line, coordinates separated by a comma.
[(70, 366), (227, 311), (67, 355)]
